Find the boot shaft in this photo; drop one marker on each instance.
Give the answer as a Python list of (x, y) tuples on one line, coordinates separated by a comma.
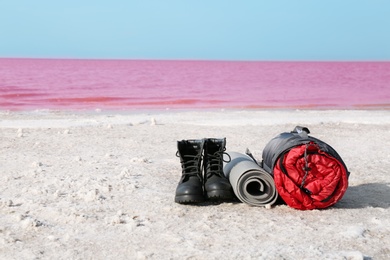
[(213, 159), (190, 154)]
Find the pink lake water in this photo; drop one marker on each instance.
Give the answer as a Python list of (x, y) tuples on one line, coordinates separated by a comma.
[(27, 84)]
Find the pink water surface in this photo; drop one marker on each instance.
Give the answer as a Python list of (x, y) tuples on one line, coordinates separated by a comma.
[(27, 84)]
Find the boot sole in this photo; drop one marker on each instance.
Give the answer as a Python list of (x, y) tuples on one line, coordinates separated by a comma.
[(187, 199), (220, 195)]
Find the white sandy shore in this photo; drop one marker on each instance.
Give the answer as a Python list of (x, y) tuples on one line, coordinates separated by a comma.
[(101, 185)]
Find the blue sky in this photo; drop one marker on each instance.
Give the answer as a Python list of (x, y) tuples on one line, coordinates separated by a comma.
[(196, 29)]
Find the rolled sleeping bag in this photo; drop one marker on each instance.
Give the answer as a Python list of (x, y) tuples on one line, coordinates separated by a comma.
[(308, 173), (251, 184)]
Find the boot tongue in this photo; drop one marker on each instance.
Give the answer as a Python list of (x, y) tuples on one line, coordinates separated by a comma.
[(196, 145), (214, 153), (215, 146), (189, 147), (190, 154)]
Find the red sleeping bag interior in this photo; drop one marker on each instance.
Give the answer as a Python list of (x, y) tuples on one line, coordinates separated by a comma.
[(308, 178)]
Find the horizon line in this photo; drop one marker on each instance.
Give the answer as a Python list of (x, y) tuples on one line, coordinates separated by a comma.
[(190, 59)]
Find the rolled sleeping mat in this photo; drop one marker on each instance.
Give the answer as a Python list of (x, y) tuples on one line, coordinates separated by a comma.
[(251, 184)]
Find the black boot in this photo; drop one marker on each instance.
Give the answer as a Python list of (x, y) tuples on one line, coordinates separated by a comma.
[(217, 186), (190, 188)]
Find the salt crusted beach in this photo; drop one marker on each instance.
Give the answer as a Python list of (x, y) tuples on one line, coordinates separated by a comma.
[(101, 185)]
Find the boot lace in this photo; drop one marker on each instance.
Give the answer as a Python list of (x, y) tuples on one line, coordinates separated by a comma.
[(215, 163), (189, 167)]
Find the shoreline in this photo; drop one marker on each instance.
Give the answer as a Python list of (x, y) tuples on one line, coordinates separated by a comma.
[(130, 109), (223, 117)]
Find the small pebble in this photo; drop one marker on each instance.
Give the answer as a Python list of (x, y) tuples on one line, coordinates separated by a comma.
[(108, 155), (36, 164), (20, 132), (9, 203)]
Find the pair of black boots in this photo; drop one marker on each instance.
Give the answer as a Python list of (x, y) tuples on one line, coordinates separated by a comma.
[(200, 182)]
